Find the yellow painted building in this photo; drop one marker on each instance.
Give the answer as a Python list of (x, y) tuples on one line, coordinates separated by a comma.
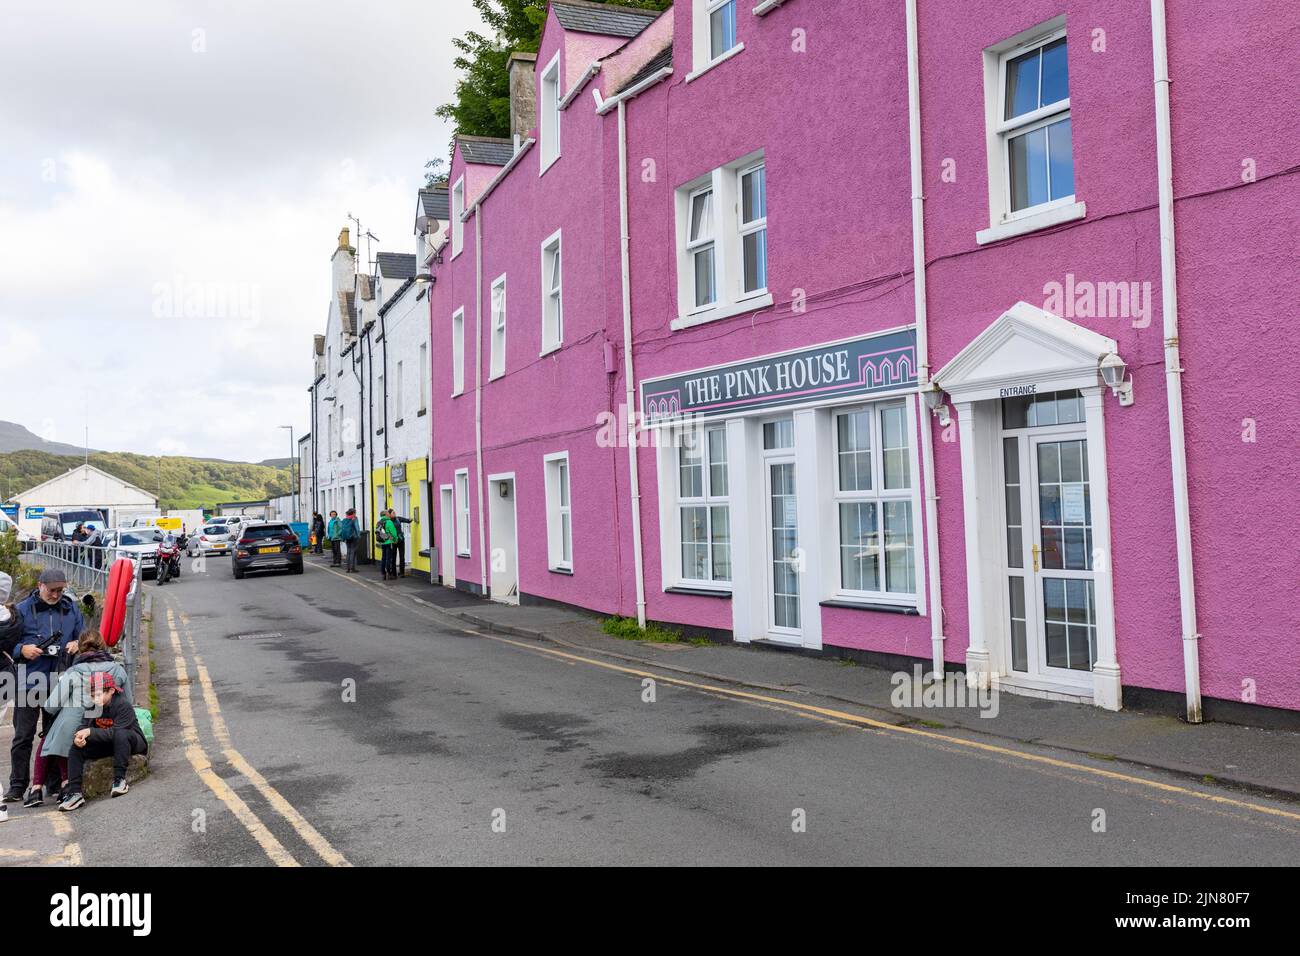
[(405, 487)]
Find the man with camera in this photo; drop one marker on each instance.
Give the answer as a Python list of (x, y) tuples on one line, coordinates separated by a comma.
[(51, 626)]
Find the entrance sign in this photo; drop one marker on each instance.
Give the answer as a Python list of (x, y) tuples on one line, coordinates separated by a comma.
[(862, 366)]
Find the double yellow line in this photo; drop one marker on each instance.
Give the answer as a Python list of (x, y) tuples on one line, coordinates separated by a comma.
[(199, 760)]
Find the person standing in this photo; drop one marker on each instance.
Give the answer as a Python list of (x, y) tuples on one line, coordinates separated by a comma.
[(400, 549), (11, 632), (332, 532), (318, 532), (351, 536), (386, 535), (52, 625)]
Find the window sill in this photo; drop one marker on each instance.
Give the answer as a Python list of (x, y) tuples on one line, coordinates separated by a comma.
[(458, 394), (766, 7), (698, 592), (692, 77), (421, 413), (909, 610), (550, 349), (493, 378), (568, 571), (462, 554), (727, 311), (1043, 220), (379, 431), (547, 164)]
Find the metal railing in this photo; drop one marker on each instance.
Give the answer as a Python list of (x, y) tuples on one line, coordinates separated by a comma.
[(87, 569)]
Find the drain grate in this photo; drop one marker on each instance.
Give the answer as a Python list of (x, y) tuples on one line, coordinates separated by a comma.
[(256, 636)]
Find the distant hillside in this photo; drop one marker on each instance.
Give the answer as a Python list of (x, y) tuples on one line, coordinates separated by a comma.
[(14, 437), (186, 482)]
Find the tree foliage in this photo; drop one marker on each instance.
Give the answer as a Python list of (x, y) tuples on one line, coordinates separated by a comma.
[(482, 102)]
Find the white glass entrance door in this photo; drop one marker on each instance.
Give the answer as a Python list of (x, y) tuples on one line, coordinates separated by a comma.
[(1051, 591), (783, 552)]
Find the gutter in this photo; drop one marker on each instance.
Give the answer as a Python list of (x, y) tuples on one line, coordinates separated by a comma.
[(1174, 367), (578, 87), (603, 105), (478, 383), (923, 383)]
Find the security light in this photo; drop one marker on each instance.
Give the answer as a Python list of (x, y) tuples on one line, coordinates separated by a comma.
[(934, 401), (1112, 373)]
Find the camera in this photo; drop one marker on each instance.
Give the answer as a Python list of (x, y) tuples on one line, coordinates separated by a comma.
[(53, 650)]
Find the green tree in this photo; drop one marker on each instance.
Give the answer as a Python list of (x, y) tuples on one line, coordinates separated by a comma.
[(482, 103)]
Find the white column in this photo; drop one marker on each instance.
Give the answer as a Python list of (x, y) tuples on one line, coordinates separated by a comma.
[(1106, 687), (811, 484), (977, 653)]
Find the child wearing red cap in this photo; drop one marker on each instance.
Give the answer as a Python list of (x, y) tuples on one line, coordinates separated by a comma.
[(110, 729)]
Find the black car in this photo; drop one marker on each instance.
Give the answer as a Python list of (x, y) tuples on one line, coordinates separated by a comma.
[(267, 547)]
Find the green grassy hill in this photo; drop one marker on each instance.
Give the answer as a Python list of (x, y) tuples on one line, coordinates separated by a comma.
[(186, 482)]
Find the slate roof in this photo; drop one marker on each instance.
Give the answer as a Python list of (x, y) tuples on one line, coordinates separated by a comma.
[(604, 18), (490, 152), (395, 265), (436, 203), (663, 58), (348, 312)]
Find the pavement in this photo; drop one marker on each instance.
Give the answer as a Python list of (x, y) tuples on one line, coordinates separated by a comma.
[(334, 719), (1250, 759)]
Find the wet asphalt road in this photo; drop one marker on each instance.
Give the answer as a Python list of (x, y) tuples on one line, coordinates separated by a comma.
[(462, 748)]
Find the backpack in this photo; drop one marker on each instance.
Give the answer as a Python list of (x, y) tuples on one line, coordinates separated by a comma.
[(145, 719), (381, 533)]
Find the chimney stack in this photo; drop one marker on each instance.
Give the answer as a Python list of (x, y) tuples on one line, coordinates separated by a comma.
[(344, 239), (523, 95)]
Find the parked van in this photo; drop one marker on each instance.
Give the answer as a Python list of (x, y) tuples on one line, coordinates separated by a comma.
[(59, 525)]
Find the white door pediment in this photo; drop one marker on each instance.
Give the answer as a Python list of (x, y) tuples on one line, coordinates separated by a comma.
[(1025, 347)]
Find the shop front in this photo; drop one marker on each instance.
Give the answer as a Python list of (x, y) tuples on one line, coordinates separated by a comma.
[(1028, 392), (790, 484), (404, 486)]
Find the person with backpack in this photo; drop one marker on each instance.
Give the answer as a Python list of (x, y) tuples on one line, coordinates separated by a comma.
[(51, 628), (350, 534), (110, 729), (332, 532), (399, 549), (68, 702), (386, 534)]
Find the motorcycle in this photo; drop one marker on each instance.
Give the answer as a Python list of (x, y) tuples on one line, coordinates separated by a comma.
[(169, 560)]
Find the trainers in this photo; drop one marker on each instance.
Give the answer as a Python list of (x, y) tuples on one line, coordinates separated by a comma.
[(119, 787), (12, 796), (73, 801), (35, 797)]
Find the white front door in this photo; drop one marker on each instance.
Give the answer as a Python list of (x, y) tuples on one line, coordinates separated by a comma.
[(782, 520), (447, 539), (1052, 607)]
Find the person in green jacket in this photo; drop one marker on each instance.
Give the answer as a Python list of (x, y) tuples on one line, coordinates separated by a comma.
[(332, 532), (387, 535), (400, 549)]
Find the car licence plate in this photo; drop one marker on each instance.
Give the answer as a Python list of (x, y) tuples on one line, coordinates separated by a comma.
[(268, 550)]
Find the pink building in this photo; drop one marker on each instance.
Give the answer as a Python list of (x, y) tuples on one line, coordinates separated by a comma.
[(907, 386)]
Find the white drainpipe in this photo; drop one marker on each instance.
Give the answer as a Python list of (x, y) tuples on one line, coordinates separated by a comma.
[(923, 343), (1173, 367), (634, 478)]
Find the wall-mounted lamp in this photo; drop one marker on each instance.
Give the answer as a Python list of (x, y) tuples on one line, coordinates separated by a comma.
[(426, 279), (934, 401), (1112, 373)]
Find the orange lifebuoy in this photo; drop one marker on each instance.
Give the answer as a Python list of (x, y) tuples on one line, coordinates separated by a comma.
[(120, 577)]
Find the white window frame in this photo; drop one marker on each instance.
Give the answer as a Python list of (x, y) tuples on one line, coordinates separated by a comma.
[(460, 502), (752, 227), (458, 352), (709, 499), (1003, 222), (877, 495), (730, 298), (457, 210), (398, 405), (423, 374), (558, 479), (498, 318), (548, 114), (697, 247), (552, 297), (703, 59)]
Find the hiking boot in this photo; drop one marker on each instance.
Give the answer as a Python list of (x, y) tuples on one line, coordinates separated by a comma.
[(119, 787), (73, 801), (35, 797)]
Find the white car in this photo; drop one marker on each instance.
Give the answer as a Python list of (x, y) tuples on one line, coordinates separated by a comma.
[(138, 544), (211, 539), (25, 541)]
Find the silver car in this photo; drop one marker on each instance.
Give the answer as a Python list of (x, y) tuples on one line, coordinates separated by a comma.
[(210, 539), (138, 544)]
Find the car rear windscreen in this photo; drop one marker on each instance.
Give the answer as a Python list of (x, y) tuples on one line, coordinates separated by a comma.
[(267, 531), (215, 529)]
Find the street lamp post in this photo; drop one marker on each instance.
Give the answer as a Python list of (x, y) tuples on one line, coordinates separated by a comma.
[(293, 491)]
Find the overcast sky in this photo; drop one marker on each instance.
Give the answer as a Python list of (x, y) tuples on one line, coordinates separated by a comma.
[(215, 148)]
